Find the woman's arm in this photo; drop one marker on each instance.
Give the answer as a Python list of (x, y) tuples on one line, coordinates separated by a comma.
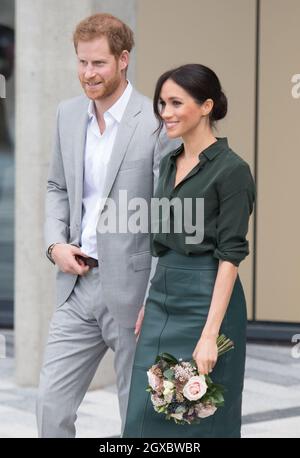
[(236, 198), (206, 352)]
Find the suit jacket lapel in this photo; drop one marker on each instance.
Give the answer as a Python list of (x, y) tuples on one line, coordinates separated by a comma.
[(125, 132), (79, 149)]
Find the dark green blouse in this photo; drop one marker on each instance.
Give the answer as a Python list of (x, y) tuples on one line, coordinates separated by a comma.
[(223, 179)]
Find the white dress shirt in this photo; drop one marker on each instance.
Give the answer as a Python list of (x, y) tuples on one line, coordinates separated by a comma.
[(98, 150)]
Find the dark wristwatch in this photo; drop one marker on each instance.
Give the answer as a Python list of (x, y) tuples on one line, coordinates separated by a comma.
[(49, 252)]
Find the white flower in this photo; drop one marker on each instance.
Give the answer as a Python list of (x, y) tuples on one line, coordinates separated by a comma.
[(178, 416), (168, 397), (168, 390), (168, 386)]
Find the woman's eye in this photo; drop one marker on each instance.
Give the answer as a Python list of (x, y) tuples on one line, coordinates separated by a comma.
[(176, 103)]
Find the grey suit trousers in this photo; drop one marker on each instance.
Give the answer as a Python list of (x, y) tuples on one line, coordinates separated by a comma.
[(81, 331)]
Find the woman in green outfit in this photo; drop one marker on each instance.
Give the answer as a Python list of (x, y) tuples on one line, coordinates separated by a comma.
[(196, 293)]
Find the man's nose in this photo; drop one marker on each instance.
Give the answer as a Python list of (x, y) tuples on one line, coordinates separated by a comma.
[(89, 72)]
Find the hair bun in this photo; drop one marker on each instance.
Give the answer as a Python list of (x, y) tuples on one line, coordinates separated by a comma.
[(220, 107)]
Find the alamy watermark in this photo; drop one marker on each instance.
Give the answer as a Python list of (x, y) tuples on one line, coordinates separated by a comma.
[(296, 88), (2, 87), (137, 216), (295, 351)]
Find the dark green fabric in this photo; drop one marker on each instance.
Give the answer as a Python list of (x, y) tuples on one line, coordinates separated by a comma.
[(225, 182), (175, 314)]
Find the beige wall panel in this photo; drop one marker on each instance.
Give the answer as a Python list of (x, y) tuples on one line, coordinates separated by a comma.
[(216, 33), (278, 251)]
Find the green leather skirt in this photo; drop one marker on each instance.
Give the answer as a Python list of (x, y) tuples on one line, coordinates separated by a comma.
[(175, 314)]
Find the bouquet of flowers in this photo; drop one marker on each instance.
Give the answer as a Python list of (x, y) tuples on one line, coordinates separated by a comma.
[(180, 393)]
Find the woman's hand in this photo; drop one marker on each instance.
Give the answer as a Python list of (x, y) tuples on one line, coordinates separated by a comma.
[(139, 322), (206, 354)]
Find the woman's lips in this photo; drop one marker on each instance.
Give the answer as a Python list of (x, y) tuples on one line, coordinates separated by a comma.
[(171, 124)]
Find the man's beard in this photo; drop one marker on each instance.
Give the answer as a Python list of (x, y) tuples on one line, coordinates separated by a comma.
[(107, 89)]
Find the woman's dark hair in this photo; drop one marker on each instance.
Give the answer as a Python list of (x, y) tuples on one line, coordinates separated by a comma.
[(199, 82)]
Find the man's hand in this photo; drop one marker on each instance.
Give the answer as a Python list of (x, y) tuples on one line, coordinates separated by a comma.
[(139, 322), (65, 256)]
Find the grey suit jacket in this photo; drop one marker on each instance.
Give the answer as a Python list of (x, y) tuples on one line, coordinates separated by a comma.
[(124, 259)]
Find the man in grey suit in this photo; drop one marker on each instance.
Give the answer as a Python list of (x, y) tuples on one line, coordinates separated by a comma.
[(105, 143)]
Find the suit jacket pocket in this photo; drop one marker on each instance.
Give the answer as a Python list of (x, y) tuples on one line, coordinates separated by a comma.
[(141, 261)]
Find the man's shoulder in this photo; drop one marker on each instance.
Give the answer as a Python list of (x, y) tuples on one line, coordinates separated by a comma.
[(137, 94), (145, 102), (74, 104)]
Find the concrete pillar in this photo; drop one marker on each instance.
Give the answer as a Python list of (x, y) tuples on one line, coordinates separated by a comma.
[(46, 74)]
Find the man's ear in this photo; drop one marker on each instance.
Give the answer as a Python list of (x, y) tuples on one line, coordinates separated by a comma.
[(124, 60)]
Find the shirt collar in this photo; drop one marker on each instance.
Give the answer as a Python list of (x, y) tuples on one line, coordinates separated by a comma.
[(118, 108), (91, 109), (210, 152), (213, 150)]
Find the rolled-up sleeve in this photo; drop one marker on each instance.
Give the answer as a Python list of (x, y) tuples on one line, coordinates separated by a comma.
[(236, 199)]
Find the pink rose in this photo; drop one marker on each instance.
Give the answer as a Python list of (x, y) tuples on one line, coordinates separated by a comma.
[(154, 381), (195, 388), (205, 410)]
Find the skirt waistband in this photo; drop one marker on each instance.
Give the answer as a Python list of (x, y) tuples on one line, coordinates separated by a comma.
[(176, 260)]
